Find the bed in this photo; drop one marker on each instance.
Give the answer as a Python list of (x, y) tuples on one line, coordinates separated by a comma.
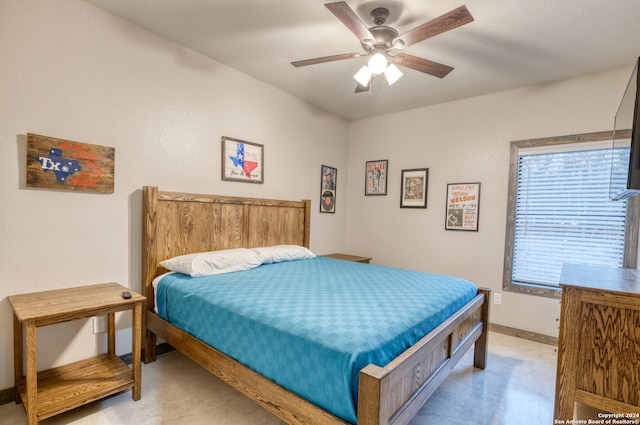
[(175, 224)]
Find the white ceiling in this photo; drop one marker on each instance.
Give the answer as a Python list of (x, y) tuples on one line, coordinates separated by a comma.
[(511, 43)]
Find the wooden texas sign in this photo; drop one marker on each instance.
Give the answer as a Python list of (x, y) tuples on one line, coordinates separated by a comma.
[(67, 165)]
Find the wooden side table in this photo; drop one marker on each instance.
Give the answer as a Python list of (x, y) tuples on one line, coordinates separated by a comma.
[(347, 257), (57, 390)]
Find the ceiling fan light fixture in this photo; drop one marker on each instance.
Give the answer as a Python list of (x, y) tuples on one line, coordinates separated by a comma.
[(363, 76), (378, 42), (392, 74), (378, 63)]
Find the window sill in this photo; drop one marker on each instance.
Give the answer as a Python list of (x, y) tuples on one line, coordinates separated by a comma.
[(532, 289)]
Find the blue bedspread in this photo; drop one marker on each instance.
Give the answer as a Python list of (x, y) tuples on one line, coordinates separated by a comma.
[(311, 325)]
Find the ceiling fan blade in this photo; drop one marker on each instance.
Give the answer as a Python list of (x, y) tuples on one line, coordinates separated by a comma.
[(347, 16), (325, 59), (444, 23), (423, 65)]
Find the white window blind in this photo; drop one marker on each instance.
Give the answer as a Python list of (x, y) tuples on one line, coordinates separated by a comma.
[(564, 213)]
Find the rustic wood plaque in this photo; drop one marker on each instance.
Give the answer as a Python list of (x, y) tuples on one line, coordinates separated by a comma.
[(67, 165)]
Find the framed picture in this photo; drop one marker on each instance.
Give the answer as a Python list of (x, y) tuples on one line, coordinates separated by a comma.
[(328, 180), (463, 206), (242, 161), (414, 188), (376, 177)]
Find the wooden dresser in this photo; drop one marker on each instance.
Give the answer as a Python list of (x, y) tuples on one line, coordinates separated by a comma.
[(599, 342)]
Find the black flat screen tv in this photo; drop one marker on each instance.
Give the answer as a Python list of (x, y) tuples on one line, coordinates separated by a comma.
[(628, 118)]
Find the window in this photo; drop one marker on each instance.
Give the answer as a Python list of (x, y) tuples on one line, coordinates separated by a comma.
[(559, 211)]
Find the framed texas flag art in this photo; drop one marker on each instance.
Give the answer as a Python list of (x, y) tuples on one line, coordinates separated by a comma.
[(242, 161)]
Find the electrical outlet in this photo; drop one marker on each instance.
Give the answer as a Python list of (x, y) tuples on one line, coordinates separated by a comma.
[(497, 299), (99, 324)]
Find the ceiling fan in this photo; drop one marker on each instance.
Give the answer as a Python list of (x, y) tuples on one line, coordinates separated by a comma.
[(380, 43)]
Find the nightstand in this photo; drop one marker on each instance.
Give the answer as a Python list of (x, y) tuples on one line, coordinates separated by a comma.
[(57, 390), (347, 257)]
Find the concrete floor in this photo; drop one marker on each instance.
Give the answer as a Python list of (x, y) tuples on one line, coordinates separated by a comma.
[(516, 388)]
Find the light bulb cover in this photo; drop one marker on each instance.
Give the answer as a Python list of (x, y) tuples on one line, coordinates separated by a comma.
[(363, 76), (378, 63), (392, 73)]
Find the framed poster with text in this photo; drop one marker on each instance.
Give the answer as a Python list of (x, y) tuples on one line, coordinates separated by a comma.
[(376, 177), (463, 206)]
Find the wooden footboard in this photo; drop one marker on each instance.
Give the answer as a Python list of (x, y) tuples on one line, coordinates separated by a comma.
[(180, 223), (392, 395)]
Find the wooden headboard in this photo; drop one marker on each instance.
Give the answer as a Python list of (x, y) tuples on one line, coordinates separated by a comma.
[(176, 223)]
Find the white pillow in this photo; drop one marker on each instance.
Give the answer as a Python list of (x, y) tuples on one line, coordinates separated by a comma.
[(214, 262), (278, 253)]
